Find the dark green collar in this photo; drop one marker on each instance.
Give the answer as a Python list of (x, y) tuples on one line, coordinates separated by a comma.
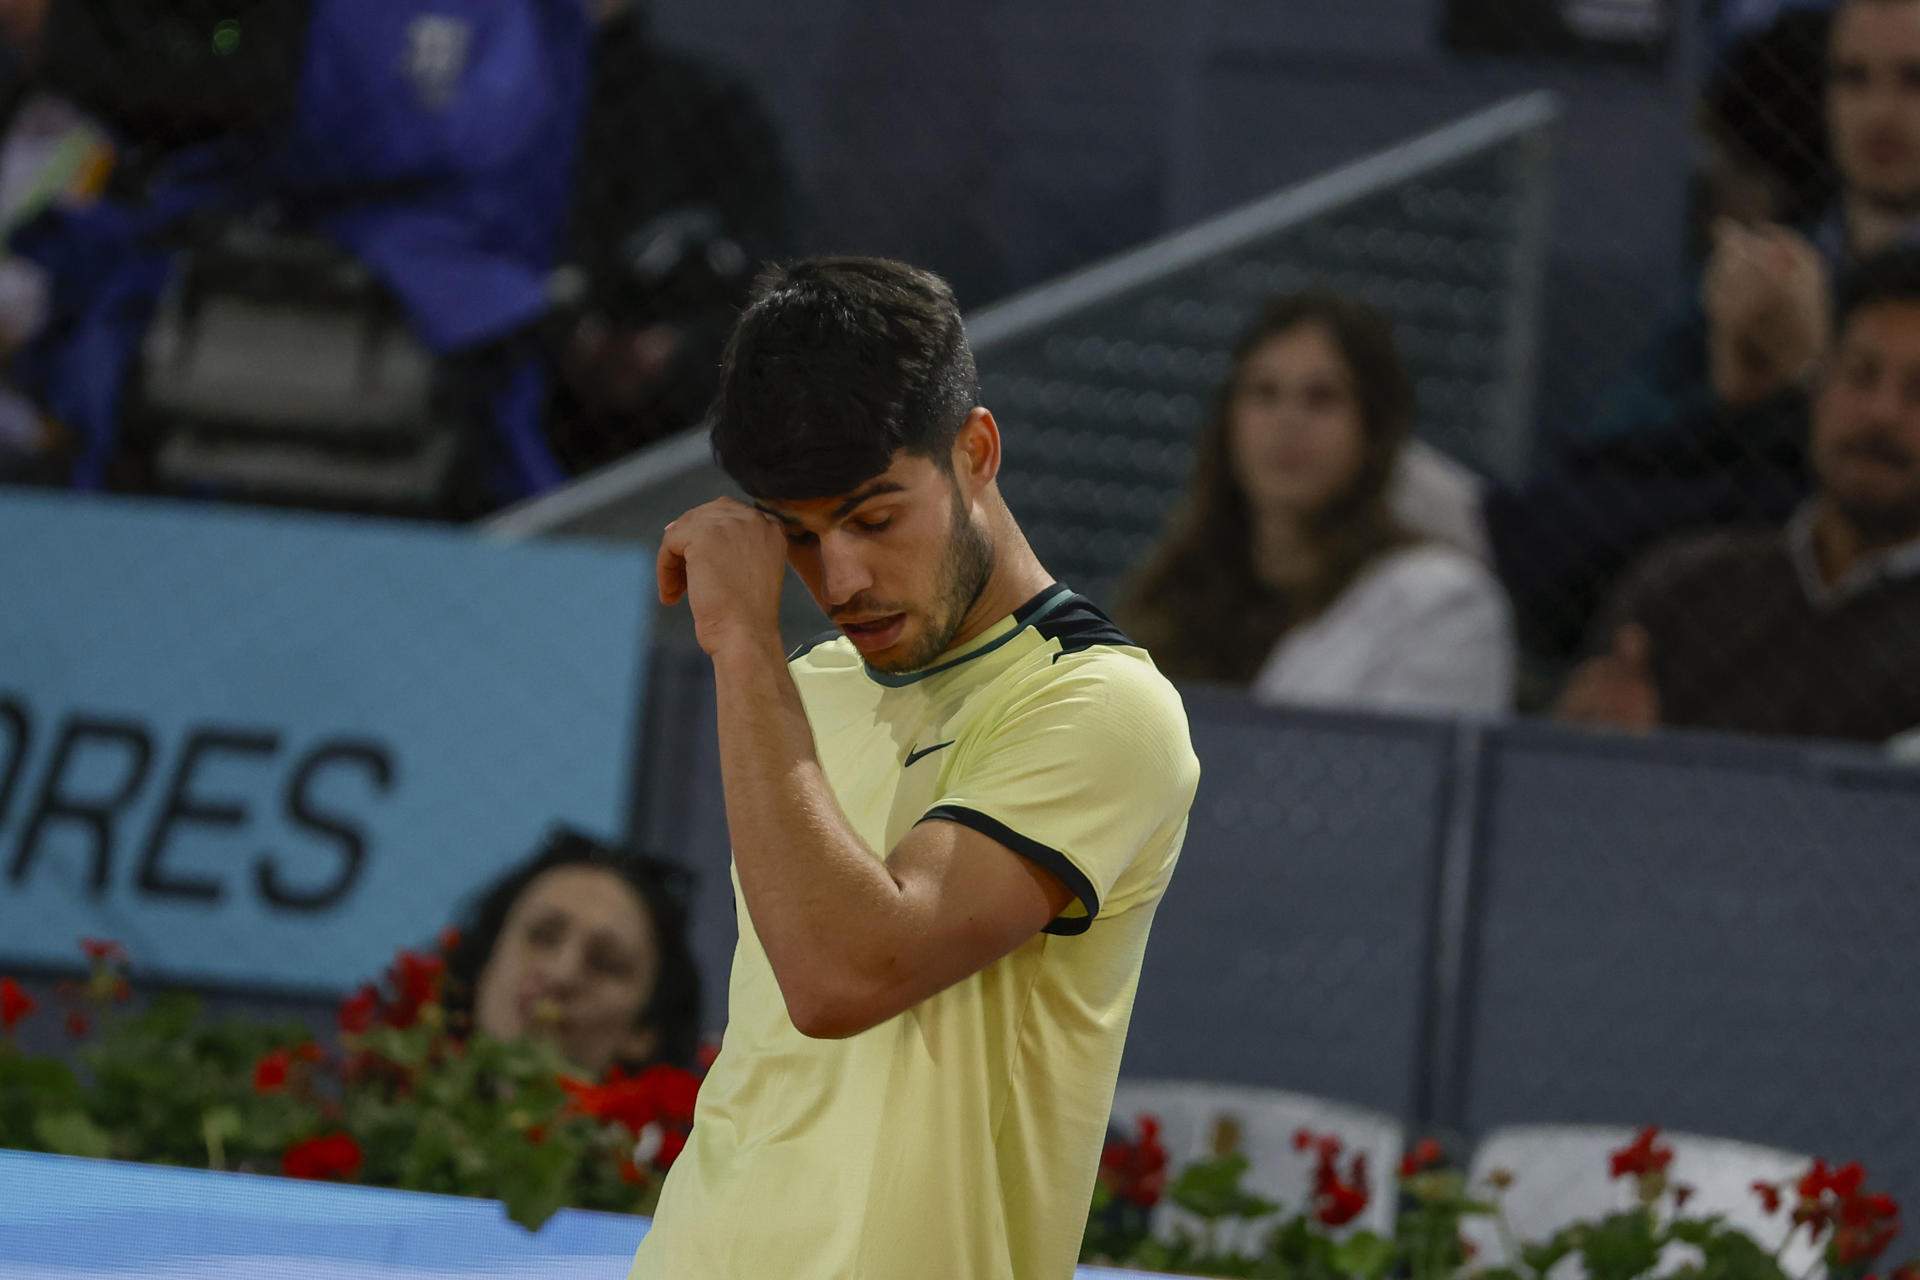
[(1016, 622)]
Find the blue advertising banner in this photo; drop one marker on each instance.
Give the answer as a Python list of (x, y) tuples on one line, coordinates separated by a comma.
[(266, 750)]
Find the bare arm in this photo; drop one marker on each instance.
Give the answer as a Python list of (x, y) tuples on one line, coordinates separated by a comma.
[(853, 940)]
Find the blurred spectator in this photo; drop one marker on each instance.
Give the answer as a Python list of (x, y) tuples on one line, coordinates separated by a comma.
[(432, 147), (1706, 429), (50, 152), (1285, 570), (681, 194), (1813, 631), (586, 944), (1764, 131)]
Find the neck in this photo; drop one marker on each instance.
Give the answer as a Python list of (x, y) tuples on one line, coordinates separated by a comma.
[(1872, 227), (1840, 544), (1283, 555), (1017, 577)]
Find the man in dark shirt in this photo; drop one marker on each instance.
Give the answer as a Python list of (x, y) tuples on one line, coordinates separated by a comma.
[(1813, 630)]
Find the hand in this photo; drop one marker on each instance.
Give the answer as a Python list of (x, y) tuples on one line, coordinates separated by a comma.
[(727, 560), (1617, 688), (1768, 302)]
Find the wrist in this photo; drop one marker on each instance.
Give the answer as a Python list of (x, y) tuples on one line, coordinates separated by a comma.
[(745, 648)]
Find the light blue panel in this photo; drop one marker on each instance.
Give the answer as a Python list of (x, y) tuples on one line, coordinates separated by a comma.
[(67, 1219), (444, 697)]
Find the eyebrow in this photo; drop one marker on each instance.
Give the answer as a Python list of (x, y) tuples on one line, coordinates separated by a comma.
[(847, 505)]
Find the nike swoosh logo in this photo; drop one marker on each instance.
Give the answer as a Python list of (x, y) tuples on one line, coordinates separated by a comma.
[(924, 751)]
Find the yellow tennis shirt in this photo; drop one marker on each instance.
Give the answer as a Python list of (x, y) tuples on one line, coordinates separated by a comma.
[(959, 1140)]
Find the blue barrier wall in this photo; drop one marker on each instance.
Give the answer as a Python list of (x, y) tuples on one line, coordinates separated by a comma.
[(1707, 933), (266, 750), (1469, 925)]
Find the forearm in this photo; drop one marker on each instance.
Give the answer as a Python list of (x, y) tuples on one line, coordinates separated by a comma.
[(828, 913)]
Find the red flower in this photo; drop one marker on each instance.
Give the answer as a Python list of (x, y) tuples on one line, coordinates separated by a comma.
[(1468, 1249), (536, 1134), (416, 983), (1302, 1139), (1868, 1224), (1642, 1156), (660, 1093), (122, 991), (1425, 1155), (1769, 1196), (672, 1143), (1911, 1271), (335, 1155), (270, 1073), (1843, 1182), (1681, 1194), (103, 950), (1136, 1172), (1338, 1201), (79, 1025), (358, 1011), (15, 1003), (308, 1052), (629, 1171), (449, 939)]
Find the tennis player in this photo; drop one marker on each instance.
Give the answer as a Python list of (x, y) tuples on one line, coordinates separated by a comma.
[(952, 818)]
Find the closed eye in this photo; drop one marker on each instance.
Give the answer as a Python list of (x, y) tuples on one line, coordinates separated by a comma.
[(872, 526), (800, 538)]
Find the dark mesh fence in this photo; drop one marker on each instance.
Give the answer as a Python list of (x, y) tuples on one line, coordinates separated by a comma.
[(434, 261)]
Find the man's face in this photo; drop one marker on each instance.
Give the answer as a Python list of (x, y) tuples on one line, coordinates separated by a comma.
[(895, 564), (1866, 424), (1873, 101)]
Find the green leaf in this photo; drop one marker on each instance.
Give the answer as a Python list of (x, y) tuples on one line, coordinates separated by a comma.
[(538, 1187), (1542, 1258), (1620, 1247), (72, 1133), (1211, 1190), (1364, 1255)]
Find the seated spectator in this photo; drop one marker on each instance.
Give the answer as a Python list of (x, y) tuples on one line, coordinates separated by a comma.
[(1706, 429), (1812, 630), (1285, 570), (586, 944), (681, 194), (1764, 130), (434, 148)]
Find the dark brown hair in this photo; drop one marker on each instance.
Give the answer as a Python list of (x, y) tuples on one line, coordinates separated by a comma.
[(1198, 605), (836, 365)]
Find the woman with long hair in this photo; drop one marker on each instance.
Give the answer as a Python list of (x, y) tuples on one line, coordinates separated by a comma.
[(583, 943), (1285, 571)]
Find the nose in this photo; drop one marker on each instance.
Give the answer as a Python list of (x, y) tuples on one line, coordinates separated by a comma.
[(844, 573), (561, 968)]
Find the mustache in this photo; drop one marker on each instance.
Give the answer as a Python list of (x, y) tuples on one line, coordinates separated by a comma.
[(860, 607), (1879, 449)]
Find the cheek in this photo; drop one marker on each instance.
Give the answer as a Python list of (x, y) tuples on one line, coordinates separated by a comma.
[(1335, 445), (496, 1005)]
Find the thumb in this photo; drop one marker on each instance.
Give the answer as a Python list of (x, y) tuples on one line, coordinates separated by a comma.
[(1632, 645)]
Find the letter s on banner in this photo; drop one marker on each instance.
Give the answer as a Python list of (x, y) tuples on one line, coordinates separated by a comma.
[(349, 839)]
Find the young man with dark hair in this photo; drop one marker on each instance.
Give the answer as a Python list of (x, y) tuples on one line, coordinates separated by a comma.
[(1813, 630), (952, 820)]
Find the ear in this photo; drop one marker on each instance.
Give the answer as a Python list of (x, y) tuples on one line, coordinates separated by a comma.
[(976, 452)]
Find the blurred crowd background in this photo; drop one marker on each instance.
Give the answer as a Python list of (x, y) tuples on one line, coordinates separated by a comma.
[(1459, 359), (431, 262)]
